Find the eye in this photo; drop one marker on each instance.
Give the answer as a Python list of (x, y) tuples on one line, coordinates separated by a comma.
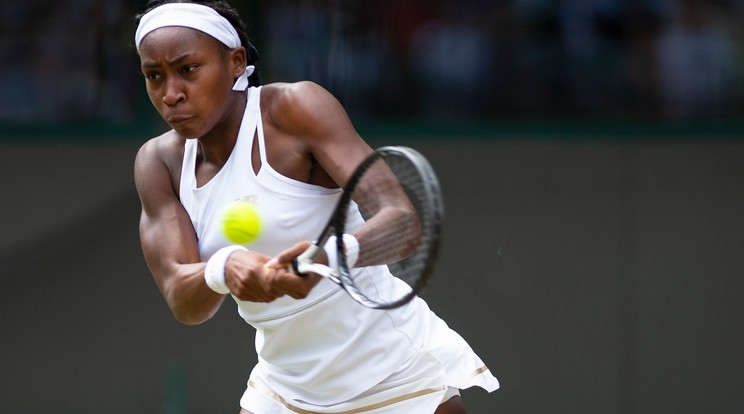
[(152, 76), (189, 68)]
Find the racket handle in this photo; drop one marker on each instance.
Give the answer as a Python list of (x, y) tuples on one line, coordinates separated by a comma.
[(296, 267), (305, 257), (305, 260)]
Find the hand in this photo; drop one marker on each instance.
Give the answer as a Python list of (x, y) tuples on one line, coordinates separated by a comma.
[(244, 276), (280, 270), (255, 277)]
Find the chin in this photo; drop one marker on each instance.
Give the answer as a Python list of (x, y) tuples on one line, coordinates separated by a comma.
[(187, 131)]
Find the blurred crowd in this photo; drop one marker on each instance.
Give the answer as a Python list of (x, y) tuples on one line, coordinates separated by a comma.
[(467, 59)]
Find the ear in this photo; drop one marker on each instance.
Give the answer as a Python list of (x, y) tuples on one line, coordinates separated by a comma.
[(238, 60)]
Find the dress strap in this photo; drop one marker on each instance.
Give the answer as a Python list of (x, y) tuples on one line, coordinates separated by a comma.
[(255, 102), (188, 165), (244, 146)]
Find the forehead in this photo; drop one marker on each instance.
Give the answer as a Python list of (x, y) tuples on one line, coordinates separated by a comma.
[(166, 41)]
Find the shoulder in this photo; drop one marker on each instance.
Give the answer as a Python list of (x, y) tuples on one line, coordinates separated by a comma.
[(164, 148), (291, 94), (159, 157), (297, 104), (309, 120)]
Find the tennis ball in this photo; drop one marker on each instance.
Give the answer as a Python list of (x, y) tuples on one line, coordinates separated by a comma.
[(241, 222)]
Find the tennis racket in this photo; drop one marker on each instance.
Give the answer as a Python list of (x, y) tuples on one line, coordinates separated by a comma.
[(392, 204)]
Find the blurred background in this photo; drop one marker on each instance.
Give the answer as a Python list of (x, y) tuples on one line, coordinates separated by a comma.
[(471, 59), (590, 152)]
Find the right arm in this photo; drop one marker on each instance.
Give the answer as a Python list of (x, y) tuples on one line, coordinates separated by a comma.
[(168, 240), (171, 251)]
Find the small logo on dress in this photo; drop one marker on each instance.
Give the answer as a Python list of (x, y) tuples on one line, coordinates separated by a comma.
[(253, 199)]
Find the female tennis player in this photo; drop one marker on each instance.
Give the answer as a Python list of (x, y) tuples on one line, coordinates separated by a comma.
[(288, 148)]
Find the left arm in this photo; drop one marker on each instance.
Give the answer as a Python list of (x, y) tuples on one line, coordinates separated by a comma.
[(317, 127)]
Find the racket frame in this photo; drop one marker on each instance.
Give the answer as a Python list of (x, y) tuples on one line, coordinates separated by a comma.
[(304, 264)]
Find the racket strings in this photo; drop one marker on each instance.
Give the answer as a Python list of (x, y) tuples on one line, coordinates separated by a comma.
[(394, 193)]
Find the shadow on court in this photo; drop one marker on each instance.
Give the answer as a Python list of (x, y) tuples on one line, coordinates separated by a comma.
[(591, 278)]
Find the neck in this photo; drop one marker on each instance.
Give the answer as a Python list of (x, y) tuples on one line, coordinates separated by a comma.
[(217, 144)]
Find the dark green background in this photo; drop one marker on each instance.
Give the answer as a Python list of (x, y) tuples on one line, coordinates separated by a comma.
[(592, 276)]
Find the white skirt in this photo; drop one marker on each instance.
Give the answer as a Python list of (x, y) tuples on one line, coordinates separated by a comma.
[(445, 365)]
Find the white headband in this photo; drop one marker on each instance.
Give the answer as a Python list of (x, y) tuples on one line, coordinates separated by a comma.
[(202, 18)]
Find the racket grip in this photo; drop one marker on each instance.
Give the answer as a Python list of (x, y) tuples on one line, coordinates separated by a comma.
[(305, 257), (351, 245), (296, 267)]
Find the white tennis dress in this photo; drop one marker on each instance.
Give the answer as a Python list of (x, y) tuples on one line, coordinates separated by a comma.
[(325, 353)]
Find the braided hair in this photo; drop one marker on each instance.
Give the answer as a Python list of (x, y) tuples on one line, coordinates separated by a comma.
[(232, 16)]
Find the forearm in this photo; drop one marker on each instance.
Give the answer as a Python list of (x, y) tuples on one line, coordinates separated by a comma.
[(390, 235), (188, 296)]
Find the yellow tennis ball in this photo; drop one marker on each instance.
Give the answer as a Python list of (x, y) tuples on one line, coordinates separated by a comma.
[(241, 222)]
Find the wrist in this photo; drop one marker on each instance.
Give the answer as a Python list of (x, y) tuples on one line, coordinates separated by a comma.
[(351, 249), (214, 272)]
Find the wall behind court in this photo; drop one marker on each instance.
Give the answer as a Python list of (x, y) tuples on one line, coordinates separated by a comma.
[(590, 276)]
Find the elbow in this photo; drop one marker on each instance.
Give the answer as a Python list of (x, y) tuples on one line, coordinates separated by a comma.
[(189, 305), (189, 318), (190, 313)]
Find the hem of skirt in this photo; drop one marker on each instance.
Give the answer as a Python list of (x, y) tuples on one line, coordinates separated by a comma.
[(263, 389)]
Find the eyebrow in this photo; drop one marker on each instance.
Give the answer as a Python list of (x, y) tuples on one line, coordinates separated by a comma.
[(149, 65)]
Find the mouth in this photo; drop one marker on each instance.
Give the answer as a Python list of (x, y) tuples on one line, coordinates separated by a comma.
[(178, 119)]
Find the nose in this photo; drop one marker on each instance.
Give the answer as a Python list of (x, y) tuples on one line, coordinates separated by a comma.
[(174, 92)]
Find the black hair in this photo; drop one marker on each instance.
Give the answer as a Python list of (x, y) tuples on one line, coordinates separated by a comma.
[(232, 16)]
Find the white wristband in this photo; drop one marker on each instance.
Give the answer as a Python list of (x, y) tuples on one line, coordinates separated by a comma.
[(351, 245), (214, 273)]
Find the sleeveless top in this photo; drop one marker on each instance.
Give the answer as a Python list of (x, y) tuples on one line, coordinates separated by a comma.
[(311, 349)]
